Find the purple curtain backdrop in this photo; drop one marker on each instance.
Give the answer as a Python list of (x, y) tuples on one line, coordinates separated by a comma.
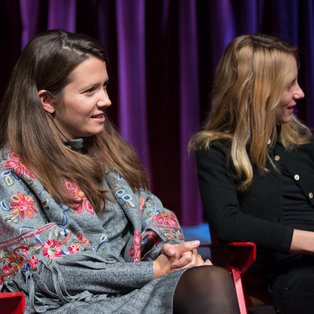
[(132, 75), (29, 9), (162, 58), (189, 98), (62, 14)]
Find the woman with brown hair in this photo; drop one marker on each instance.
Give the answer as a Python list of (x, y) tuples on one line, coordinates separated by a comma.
[(80, 230), (255, 165)]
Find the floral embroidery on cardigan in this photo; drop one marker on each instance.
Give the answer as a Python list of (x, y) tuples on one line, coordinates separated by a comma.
[(125, 199), (135, 250), (166, 222), (142, 204), (24, 205), (165, 219), (14, 164), (52, 249), (48, 243), (77, 194)]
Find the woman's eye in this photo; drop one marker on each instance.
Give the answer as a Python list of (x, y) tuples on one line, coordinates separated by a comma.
[(106, 84), (292, 84), (90, 90)]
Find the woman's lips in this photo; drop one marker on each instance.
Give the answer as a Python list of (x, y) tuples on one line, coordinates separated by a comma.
[(99, 117)]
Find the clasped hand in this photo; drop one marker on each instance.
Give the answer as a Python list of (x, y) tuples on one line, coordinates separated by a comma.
[(175, 257)]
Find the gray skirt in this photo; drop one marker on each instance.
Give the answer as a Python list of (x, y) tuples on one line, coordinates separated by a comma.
[(154, 297)]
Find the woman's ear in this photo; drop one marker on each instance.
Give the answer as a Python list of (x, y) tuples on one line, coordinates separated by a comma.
[(47, 101)]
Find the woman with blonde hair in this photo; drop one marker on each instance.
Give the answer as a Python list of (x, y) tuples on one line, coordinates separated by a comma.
[(80, 230), (256, 165)]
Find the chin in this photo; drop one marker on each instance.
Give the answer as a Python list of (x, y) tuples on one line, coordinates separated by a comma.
[(283, 120)]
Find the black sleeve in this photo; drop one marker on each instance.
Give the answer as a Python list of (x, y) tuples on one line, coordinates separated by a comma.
[(222, 208)]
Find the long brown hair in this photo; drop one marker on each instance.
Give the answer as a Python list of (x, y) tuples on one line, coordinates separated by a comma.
[(251, 77), (46, 64)]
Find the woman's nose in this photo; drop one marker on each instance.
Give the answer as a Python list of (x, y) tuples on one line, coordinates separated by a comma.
[(104, 100), (299, 92)]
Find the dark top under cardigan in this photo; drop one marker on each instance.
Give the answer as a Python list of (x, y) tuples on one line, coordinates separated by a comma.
[(254, 215)]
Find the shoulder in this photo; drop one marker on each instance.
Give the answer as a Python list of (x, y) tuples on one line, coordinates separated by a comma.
[(307, 148), (311, 143), (217, 157), (6, 155), (4, 151), (216, 148)]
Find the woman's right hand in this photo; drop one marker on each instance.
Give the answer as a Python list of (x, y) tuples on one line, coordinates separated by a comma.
[(175, 257), (161, 265)]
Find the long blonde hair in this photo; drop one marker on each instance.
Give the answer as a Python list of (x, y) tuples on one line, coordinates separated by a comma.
[(47, 63), (250, 79)]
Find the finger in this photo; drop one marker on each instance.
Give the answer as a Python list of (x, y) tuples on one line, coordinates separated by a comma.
[(178, 250), (187, 246), (189, 261), (185, 259), (169, 249)]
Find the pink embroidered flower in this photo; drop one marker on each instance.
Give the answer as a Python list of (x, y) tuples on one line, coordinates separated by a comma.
[(134, 251), (85, 205), (52, 249), (7, 268), (34, 261), (70, 187), (137, 239), (142, 204), (23, 205), (166, 219), (73, 249), (153, 237), (25, 251), (77, 194), (15, 164), (88, 206)]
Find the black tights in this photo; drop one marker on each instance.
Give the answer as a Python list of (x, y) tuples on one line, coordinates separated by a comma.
[(205, 289)]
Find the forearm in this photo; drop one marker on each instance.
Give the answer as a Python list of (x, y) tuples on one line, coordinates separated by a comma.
[(302, 241), (98, 277), (266, 234), (115, 277)]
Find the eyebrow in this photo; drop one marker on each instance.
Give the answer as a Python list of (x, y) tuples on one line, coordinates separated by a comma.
[(93, 85), (291, 83)]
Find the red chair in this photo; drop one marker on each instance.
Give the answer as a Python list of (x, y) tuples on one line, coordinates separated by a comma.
[(12, 303), (237, 257)]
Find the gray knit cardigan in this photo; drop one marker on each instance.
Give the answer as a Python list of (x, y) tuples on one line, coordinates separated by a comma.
[(68, 259)]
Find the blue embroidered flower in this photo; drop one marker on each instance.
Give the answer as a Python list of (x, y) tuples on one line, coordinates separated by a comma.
[(127, 197), (4, 205), (120, 192), (26, 268), (64, 232)]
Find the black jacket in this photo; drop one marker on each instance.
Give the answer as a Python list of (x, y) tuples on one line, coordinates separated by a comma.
[(253, 215)]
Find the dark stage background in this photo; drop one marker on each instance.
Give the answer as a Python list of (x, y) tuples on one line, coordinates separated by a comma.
[(162, 56)]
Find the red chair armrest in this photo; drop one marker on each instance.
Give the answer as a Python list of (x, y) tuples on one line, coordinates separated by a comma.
[(12, 302), (233, 254)]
